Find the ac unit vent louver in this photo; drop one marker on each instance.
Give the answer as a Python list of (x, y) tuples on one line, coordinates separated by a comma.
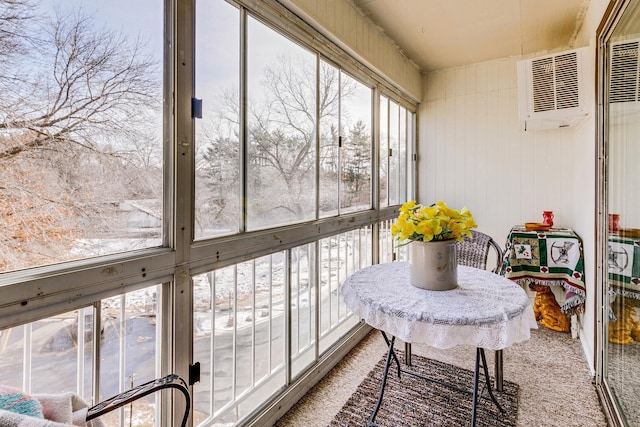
[(555, 82), (552, 90), (624, 72)]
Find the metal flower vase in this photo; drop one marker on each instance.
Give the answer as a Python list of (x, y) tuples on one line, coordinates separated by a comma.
[(433, 265)]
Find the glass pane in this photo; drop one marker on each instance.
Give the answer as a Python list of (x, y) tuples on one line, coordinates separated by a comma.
[(411, 163), (384, 151), (622, 315), (81, 132), (340, 256), (356, 147), (239, 338), (44, 356), (217, 180), (394, 153), (403, 143), (281, 125), (129, 349), (329, 132), (386, 242), (303, 308)]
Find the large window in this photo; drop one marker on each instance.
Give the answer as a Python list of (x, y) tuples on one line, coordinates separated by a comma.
[(257, 141), (345, 142), (218, 168), (80, 129), (186, 182), (397, 126), (57, 355), (280, 126)]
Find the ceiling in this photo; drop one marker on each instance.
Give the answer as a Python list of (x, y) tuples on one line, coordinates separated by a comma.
[(437, 34)]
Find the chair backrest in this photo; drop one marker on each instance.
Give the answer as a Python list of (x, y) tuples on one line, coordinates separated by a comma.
[(475, 252)]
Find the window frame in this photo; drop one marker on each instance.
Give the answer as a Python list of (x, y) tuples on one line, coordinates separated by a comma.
[(39, 292)]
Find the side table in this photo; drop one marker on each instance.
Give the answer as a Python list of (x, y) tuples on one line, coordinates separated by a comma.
[(549, 258)]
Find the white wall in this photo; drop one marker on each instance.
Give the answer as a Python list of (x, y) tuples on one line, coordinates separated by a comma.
[(472, 153), (471, 149)]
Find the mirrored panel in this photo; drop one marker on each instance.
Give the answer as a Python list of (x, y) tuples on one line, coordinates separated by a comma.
[(622, 303)]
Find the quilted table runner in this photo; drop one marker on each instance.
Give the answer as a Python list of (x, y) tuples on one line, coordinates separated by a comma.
[(550, 258)]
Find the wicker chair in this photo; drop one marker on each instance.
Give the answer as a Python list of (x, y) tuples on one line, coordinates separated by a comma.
[(474, 252)]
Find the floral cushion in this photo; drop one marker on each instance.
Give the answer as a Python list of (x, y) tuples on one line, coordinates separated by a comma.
[(14, 400)]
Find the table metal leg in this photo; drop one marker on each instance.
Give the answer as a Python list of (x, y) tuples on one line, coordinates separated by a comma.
[(480, 357), (498, 367), (407, 353), (393, 353), (487, 379), (390, 354)]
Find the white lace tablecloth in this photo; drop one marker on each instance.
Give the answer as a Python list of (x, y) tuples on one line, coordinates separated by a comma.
[(485, 310)]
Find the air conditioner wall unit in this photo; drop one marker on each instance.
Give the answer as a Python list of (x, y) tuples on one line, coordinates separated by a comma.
[(552, 90)]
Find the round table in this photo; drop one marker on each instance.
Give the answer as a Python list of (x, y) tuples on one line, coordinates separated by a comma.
[(485, 310)]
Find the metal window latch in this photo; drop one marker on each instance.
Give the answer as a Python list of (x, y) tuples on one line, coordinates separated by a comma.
[(196, 108), (390, 152), (194, 373), (339, 141)]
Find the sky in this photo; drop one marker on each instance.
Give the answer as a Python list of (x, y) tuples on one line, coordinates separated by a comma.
[(217, 40), (132, 17)]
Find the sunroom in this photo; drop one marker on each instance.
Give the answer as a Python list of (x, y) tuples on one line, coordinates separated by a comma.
[(185, 185)]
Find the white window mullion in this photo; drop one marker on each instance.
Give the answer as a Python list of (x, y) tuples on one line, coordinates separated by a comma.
[(270, 331), (253, 325), (212, 365), (80, 353), (97, 327), (287, 316), (121, 353), (234, 313), (26, 379), (161, 358)]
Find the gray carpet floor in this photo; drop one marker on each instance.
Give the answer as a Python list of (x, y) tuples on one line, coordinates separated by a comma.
[(556, 386), (624, 379)]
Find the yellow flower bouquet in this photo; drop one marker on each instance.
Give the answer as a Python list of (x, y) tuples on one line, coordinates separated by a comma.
[(431, 223)]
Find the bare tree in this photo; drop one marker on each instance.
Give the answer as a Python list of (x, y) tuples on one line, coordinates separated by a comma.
[(281, 147), (77, 86), (15, 16), (73, 98)]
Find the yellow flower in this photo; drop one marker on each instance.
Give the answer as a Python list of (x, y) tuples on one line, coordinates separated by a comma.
[(436, 222), (428, 229), (408, 205)]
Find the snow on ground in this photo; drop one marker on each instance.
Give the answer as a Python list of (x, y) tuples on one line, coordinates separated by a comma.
[(256, 287)]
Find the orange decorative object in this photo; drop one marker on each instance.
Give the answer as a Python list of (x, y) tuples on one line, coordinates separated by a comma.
[(547, 310), (537, 226), (626, 328), (629, 232)]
